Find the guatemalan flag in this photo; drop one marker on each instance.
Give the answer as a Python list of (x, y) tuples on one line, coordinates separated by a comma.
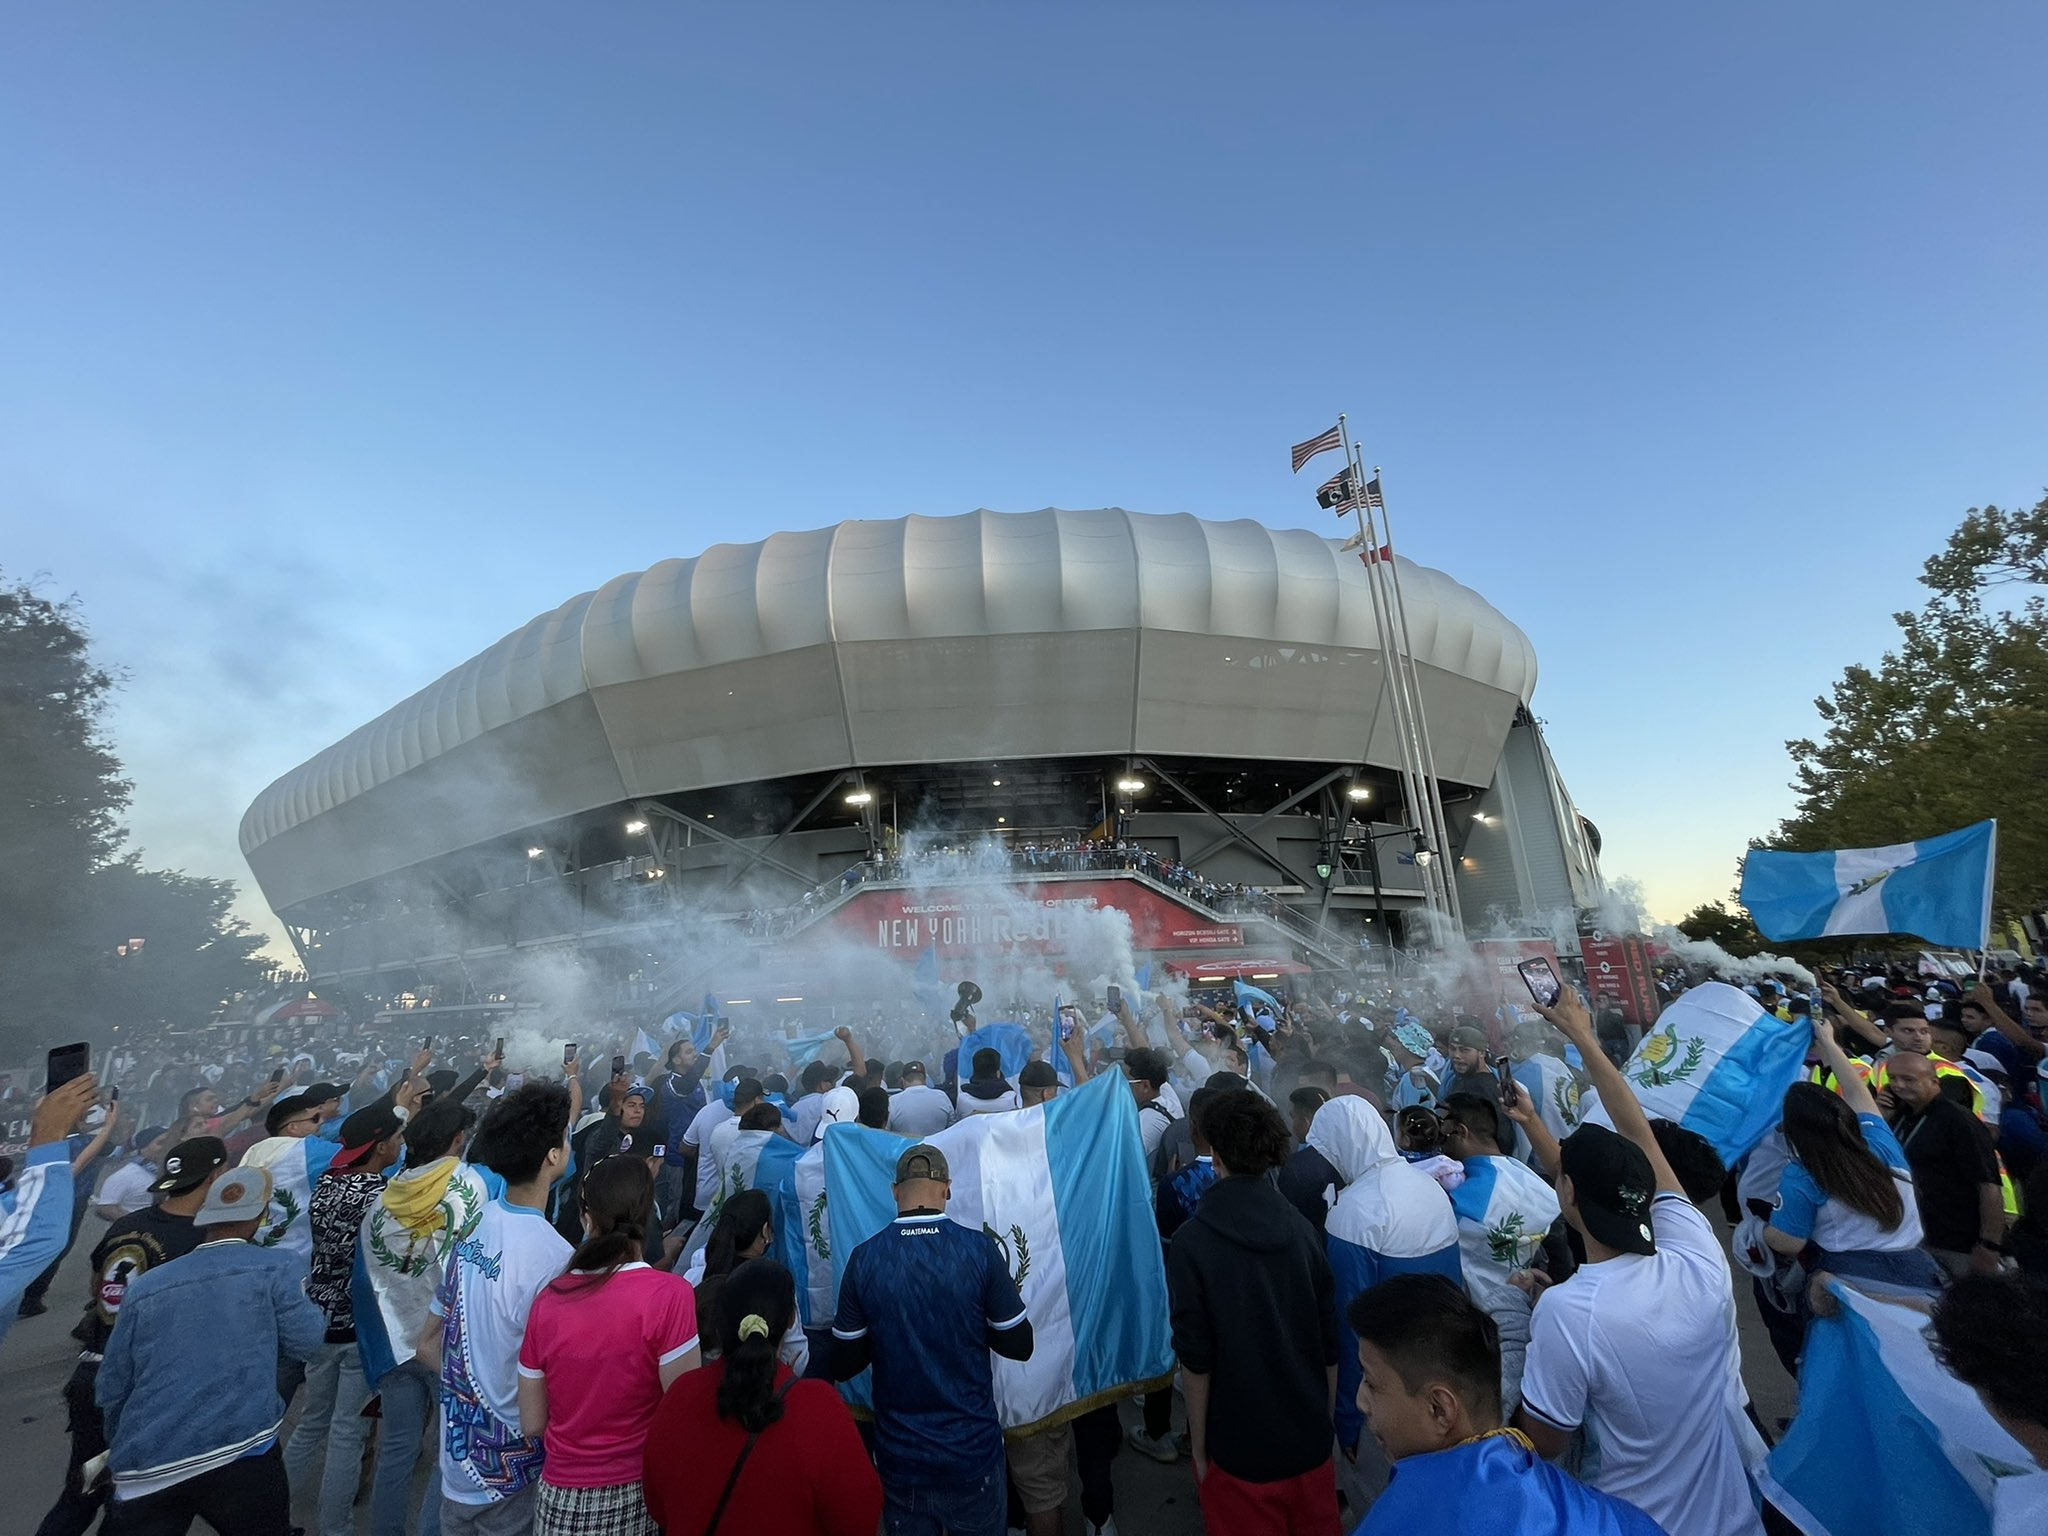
[(801, 1239), (1012, 1042), (760, 1160), (295, 1164), (1062, 1188), (1938, 889), (1716, 1063), (1887, 1443)]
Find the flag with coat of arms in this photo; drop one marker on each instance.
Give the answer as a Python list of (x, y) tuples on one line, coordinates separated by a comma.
[(1718, 1064), (1938, 889), (295, 1164), (1062, 1190)]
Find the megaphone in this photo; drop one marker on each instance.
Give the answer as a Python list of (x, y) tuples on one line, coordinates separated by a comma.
[(963, 1010)]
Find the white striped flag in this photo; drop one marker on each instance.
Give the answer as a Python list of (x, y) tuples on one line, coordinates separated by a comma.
[(1321, 443)]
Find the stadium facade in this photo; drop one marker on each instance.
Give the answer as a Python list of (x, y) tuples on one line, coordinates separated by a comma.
[(749, 738)]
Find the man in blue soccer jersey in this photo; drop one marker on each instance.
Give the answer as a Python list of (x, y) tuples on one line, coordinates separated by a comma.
[(924, 1301)]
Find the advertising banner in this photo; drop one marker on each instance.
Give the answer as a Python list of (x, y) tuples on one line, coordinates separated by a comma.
[(1031, 919)]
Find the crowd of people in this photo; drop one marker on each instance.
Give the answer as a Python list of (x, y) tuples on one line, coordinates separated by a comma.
[(1406, 1285)]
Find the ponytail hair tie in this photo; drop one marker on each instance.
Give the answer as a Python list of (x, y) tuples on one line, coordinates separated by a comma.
[(753, 1326)]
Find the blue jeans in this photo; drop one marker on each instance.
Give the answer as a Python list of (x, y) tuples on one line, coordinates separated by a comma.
[(332, 1425), (967, 1506), (412, 1401)]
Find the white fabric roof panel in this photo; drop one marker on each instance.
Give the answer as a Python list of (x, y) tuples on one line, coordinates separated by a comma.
[(922, 639)]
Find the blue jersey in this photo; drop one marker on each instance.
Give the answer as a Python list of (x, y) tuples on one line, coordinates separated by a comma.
[(1496, 1487), (925, 1291)]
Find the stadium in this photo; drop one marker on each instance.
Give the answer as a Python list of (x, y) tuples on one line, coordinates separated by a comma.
[(717, 759)]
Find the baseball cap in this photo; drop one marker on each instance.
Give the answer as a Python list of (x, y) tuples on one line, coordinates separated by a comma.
[(443, 1080), (188, 1163), (1470, 1035), (1414, 1039), (638, 1091), (242, 1195), (914, 1066), (322, 1093), (284, 1109), (1038, 1074), (922, 1161), (1613, 1183), (361, 1132)]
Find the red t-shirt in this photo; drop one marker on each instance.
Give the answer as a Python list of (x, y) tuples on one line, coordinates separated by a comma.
[(600, 1351), (809, 1474)]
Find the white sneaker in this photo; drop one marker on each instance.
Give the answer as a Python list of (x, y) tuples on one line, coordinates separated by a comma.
[(1160, 1450)]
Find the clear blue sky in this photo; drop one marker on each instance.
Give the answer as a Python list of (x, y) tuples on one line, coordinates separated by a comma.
[(335, 342)]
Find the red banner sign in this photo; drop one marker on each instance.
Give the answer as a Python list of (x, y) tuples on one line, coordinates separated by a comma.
[(1036, 919), (1620, 971)]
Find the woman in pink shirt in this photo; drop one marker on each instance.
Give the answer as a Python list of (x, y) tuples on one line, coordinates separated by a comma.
[(602, 1344)]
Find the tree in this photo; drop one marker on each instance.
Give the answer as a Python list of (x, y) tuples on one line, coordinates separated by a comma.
[(1733, 931), (68, 896), (1952, 726)]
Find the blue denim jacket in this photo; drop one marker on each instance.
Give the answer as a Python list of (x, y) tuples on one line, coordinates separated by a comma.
[(189, 1382)]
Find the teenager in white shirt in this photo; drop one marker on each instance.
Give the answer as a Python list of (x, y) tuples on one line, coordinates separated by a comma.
[(1633, 1347)]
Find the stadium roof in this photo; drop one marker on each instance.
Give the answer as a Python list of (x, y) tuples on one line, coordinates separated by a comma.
[(980, 637)]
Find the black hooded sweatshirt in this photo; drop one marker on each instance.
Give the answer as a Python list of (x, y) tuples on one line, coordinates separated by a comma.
[(1255, 1310)]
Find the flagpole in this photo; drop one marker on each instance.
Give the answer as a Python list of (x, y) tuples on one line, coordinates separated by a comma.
[(1436, 798), (1413, 793)]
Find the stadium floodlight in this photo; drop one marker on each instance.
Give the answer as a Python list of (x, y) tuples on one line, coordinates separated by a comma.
[(534, 853), (1131, 786), (1360, 791), (636, 827), (860, 797)]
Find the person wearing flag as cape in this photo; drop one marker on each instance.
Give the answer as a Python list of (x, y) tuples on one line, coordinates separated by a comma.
[(1429, 1388)]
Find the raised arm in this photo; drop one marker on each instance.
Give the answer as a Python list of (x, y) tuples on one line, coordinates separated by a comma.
[(1569, 1016), (856, 1063), (1853, 1019), (2006, 1025), (1848, 1081)]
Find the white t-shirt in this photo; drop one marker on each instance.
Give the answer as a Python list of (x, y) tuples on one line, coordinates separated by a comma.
[(1632, 1348), (920, 1110), (496, 1273), (698, 1135), (1154, 1118), (802, 1120), (127, 1187), (974, 1104)]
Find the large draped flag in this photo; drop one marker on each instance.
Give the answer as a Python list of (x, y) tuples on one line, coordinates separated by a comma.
[(801, 1237), (761, 1160), (1938, 889), (295, 1164), (1718, 1064), (1062, 1189), (1887, 1443), (1012, 1042), (423, 1213)]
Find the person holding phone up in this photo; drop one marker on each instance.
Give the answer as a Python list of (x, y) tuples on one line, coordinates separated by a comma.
[(35, 1215)]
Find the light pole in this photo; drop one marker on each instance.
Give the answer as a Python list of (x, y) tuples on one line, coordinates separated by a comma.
[(1372, 863)]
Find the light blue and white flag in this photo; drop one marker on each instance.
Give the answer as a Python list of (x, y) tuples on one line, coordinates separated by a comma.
[(1938, 889), (1247, 995), (1063, 1068), (804, 1049), (802, 1239), (1504, 1210), (1012, 1042), (1887, 1443), (645, 1044), (1716, 1063), (295, 1164), (1063, 1191)]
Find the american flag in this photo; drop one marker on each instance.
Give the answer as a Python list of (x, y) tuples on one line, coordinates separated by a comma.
[(1372, 495), (1321, 443), (1338, 492)]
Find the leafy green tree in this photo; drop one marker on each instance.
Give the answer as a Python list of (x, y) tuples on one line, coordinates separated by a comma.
[(69, 897), (1733, 931), (1951, 727)]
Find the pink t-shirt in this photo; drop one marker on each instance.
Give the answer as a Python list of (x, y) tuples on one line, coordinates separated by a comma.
[(601, 1351)]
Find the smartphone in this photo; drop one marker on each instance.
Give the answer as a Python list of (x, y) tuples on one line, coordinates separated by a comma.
[(113, 1095), (569, 1054), (499, 1050), (277, 1075), (618, 1066), (659, 1150), (427, 1044), (514, 1080), (1541, 981), (1116, 997), (1066, 1025), (1503, 1072), (68, 1062)]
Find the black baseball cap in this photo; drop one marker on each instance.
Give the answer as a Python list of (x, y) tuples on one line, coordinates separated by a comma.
[(188, 1163), (1613, 1184), (1038, 1074), (317, 1094), (286, 1108)]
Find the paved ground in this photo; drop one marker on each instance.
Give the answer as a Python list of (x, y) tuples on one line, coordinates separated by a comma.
[(35, 1360)]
